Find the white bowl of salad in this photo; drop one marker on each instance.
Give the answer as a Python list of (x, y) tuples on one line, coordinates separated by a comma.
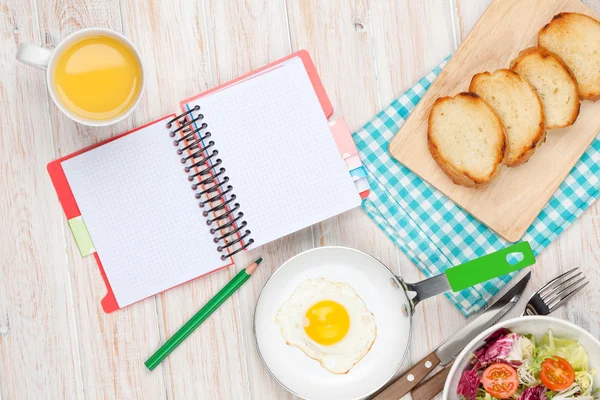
[(528, 358)]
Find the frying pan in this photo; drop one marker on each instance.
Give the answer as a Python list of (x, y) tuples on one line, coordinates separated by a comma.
[(386, 295)]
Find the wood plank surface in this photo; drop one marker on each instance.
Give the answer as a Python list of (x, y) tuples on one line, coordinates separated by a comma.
[(55, 340), (506, 28), (39, 346)]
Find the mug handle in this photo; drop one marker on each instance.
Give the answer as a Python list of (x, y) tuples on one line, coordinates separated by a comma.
[(33, 55)]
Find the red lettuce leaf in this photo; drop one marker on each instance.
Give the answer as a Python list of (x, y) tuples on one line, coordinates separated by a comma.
[(496, 348), (501, 347), (490, 340), (468, 384), (534, 393)]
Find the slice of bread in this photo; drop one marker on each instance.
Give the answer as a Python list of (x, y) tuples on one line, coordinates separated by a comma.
[(555, 83), (576, 39), (519, 107), (466, 139)]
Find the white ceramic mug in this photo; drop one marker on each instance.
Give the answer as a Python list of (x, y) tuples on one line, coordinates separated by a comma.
[(44, 58)]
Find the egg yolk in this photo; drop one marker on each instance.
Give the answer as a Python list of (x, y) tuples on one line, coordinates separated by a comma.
[(326, 322)]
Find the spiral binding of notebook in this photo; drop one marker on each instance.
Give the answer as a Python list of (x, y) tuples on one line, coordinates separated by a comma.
[(206, 172)]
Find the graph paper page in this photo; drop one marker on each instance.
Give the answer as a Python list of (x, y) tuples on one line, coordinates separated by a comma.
[(141, 214), (278, 150)]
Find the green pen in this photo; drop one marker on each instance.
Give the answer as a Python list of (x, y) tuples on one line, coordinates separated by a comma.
[(201, 316)]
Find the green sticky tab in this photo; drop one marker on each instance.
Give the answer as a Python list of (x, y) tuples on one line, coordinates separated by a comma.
[(502, 262), (82, 236)]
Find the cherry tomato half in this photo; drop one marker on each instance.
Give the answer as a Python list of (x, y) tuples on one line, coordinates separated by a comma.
[(500, 380), (557, 374)]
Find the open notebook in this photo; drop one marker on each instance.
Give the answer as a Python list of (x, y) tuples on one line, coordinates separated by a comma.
[(245, 163)]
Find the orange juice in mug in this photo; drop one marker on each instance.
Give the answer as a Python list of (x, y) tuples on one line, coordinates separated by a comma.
[(95, 76)]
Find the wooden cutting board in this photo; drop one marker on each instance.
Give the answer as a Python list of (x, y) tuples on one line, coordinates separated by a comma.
[(510, 203)]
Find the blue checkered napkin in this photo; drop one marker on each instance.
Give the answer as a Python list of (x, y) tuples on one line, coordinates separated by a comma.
[(433, 231)]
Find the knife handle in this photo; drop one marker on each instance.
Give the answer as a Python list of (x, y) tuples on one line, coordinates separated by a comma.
[(410, 378), (432, 386)]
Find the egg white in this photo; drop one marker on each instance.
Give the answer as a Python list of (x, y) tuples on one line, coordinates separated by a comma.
[(339, 357)]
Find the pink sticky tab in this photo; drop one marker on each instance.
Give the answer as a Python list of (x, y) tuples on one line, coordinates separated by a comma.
[(349, 152), (343, 138), (353, 162)]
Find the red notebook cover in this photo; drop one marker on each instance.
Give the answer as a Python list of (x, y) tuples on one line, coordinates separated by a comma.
[(65, 194)]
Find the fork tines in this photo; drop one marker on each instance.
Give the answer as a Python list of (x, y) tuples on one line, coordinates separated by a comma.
[(562, 288)]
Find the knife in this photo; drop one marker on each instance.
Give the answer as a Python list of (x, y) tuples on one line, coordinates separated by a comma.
[(447, 351)]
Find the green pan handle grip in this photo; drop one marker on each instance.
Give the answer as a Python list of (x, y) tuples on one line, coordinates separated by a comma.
[(490, 266)]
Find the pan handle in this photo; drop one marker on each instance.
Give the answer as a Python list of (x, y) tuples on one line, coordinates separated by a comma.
[(482, 269), (428, 288)]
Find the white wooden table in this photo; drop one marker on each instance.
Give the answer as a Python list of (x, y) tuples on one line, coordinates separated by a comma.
[(55, 340)]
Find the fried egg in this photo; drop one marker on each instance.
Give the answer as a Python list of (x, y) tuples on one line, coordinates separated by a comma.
[(329, 322)]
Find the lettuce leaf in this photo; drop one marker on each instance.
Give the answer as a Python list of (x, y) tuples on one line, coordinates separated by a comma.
[(468, 384), (496, 349), (570, 350), (585, 380), (572, 392), (489, 341), (528, 373), (521, 350), (501, 347), (483, 395), (534, 393)]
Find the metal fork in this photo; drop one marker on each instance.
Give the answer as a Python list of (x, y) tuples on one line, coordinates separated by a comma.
[(554, 293)]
